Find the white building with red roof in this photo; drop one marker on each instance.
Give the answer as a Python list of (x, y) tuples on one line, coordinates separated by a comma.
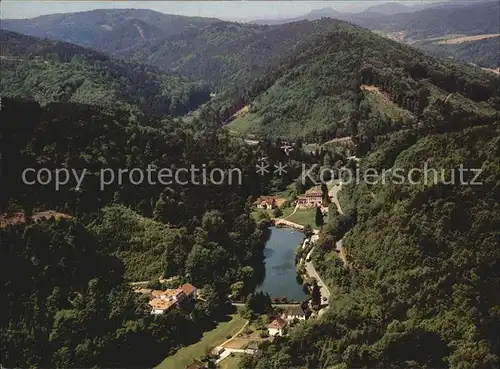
[(277, 327)]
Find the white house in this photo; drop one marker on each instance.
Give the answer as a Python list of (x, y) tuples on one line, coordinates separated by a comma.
[(294, 312), (277, 327)]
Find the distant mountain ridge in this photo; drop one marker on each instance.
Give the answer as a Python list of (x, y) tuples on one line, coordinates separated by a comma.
[(107, 30), (389, 8), (416, 24), (53, 71), (230, 53), (463, 19), (377, 10)]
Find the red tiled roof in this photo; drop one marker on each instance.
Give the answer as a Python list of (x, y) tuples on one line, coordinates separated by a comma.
[(188, 288), (315, 191), (278, 323), (267, 199)]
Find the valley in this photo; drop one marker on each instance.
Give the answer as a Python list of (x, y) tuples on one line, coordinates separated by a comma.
[(335, 245)]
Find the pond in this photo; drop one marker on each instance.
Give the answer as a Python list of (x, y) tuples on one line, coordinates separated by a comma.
[(280, 276)]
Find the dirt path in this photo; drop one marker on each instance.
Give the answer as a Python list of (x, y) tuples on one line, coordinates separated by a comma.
[(294, 211), (138, 283), (235, 335)]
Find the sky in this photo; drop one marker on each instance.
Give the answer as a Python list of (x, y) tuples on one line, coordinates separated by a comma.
[(227, 10)]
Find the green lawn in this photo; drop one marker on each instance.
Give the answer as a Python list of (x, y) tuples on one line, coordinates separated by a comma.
[(186, 355), (255, 213), (287, 211), (244, 124), (304, 216), (231, 362)]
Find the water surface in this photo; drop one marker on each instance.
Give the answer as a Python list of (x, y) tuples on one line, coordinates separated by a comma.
[(280, 276)]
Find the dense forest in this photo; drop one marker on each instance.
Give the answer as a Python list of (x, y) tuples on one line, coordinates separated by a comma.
[(226, 53), (420, 286), (51, 71), (420, 289), (107, 30), (127, 231), (319, 91)]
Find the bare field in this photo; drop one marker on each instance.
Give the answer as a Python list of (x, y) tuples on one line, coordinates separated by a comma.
[(496, 71), (460, 40), (18, 217)]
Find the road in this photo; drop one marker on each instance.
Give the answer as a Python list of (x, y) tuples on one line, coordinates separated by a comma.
[(334, 196), (310, 269), (325, 292), (285, 306)]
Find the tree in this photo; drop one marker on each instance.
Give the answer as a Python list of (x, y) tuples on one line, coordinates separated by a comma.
[(319, 217), (259, 303), (236, 289), (277, 212), (308, 231), (215, 301), (315, 296), (325, 195)]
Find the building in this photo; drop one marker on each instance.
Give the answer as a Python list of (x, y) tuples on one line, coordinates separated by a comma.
[(161, 301), (294, 312), (312, 198), (189, 291), (277, 327), (168, 295), (265, 202), (160, 306)]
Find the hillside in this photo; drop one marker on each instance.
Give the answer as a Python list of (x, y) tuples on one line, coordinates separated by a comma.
[(317, 93), (424, 25), (107, 30), (478, 18), (51, 71), (64, 286), (482, 52), (229, 53), (223, 53), (428, 29), (424, 264)]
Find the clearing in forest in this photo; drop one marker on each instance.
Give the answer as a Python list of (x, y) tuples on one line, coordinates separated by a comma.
[(462, 39)]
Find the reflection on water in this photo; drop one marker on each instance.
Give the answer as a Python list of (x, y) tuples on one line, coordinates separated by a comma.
[(268, 253), (280, 275), (282, 268)]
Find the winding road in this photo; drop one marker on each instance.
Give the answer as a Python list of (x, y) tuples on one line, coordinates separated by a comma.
[(334, 196)]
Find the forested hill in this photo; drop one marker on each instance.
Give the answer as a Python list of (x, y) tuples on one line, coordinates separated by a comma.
[(49, 71), (107, 30), (350, 81), (65, 301), (421, 287), (227, 53)]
